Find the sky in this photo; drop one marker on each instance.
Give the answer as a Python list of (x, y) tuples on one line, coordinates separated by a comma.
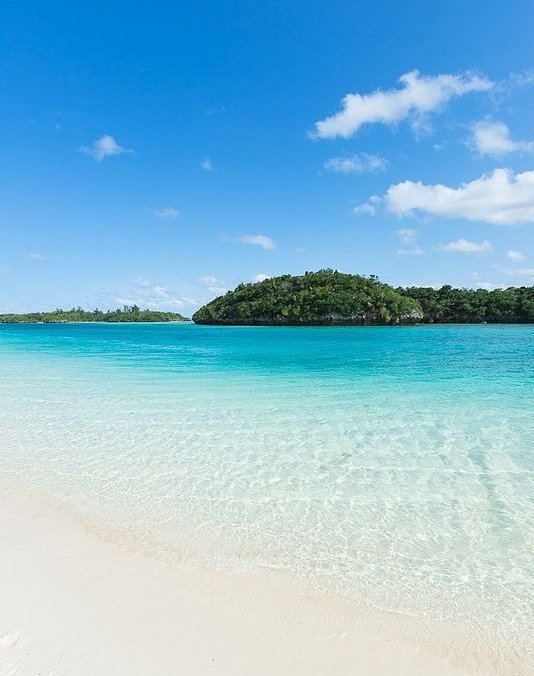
[(162, 153)]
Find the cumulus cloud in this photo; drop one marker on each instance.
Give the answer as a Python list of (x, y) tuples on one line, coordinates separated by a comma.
[(106, 146), (213, 284), (207, 165), (36, 257), (356, 164), (464, 246), (493, 138), (260, 277), (258, 240), (516, 256), (418, 96), (166, 213), (502, 198)]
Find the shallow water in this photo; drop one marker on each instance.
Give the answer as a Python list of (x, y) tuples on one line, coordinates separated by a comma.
[(391, 465)]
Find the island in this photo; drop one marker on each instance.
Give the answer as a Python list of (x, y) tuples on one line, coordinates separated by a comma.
[(328, 297), (128, 313)]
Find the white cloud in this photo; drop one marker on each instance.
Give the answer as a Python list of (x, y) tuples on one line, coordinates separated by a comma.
[(488, 286), (525, 272), (493, 138), (154, 297), (519, 272), (418, 96), (145, 302), (522, 79), (502, 198), (356, 164), (260, 277), (213, 284), (167, 212), (366, 208), (370, 207), (209, 280), (516, 256), (151, 295), (258, 240), (464, 246), (207, 165), (104, 147), (36, 257), (406, 235)]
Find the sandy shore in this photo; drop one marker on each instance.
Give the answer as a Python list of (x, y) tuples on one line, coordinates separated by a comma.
[(73, 604)]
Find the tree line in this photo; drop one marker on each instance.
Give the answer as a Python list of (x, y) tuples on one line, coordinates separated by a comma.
[(447, 304), (331, 297), (128, 313)]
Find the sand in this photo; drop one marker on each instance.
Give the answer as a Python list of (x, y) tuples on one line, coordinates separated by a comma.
[(74, 604)]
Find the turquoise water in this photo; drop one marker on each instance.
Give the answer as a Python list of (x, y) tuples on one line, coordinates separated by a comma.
[(389, 465)]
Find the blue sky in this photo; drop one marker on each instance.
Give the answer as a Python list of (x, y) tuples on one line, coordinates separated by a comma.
[(161, 153)]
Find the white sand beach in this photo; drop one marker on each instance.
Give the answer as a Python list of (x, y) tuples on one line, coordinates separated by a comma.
[(75, 605)]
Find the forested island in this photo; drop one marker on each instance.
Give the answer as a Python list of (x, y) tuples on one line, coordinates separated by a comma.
[(322, 298), (128, 313), (328, 297)]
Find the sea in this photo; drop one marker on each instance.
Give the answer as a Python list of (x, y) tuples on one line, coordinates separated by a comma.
[(389, 466)]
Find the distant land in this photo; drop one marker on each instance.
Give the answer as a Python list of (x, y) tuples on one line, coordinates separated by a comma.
[(328, 297), (324, 298), (129, 313)]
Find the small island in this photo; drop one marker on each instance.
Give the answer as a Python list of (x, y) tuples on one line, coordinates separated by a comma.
[(128, 313), (328, 297)]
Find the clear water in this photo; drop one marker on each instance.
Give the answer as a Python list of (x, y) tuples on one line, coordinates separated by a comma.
[(390, 465)]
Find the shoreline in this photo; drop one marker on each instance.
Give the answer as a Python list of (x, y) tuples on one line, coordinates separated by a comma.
[(290, 325), (75, 603)]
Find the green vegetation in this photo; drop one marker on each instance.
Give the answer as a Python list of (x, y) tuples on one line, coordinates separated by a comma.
[(126, 314), (324, 297), (331, 297), (512, 305)]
